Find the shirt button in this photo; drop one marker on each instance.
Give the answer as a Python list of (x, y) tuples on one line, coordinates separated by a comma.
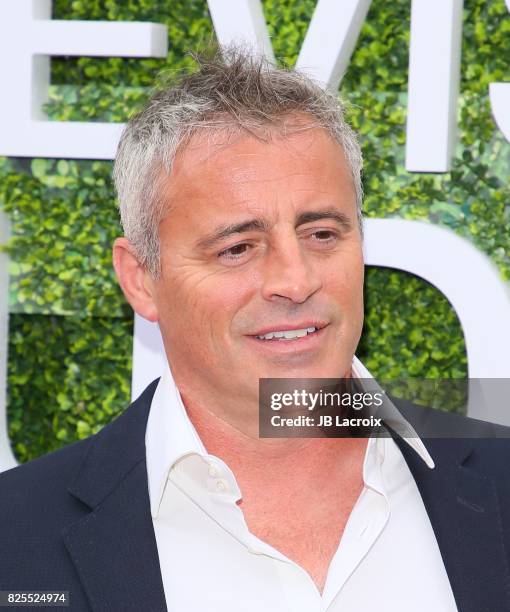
[(213, 472), (221, 485)]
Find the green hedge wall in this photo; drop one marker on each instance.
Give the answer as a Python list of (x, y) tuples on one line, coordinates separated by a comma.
[(70, 329)]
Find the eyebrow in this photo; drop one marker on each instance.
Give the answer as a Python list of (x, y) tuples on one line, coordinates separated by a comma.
[(328, 213), (224, 231)]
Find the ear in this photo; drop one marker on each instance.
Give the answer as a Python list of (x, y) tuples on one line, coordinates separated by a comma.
[(135, 281)]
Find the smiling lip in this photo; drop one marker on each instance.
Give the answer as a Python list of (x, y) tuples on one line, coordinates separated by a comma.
[(290, 326), (304, 345)]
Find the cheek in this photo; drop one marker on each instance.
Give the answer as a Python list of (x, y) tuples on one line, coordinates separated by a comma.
[(197, 299), (345, 282)]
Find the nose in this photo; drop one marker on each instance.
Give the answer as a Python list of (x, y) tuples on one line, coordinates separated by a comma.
[(289, 274)]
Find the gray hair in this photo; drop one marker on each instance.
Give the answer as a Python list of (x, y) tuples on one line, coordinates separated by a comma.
[(232, 88)]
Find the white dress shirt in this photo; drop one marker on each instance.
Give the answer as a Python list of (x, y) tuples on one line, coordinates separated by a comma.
[(387, 559)]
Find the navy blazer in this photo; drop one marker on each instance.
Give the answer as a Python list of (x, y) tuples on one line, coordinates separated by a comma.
[(79, 519)]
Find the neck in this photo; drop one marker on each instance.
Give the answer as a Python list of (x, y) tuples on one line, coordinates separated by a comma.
[(292, 462)]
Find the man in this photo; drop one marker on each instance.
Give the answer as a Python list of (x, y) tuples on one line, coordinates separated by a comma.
[(240, 195)]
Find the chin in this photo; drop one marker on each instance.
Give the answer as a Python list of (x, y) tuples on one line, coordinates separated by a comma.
[(309, 370)]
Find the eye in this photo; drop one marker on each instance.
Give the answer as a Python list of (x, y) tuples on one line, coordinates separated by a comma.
[(235, 252), (324, 236)]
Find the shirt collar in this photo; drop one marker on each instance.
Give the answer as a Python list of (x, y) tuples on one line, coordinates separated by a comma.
[(170, 434), (390, 415)]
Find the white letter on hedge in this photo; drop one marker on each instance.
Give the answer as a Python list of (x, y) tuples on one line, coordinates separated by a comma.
[(329, 41), (500, 102), (6, 457), (28, 37), (331, 38), (434, 73)]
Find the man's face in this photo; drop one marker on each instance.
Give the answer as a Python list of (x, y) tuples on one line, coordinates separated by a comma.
[(259, 237)]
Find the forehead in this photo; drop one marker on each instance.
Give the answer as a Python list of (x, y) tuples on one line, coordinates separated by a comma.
[(230, 167)]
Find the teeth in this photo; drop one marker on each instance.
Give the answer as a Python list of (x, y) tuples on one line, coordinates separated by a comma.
[(290, 334)]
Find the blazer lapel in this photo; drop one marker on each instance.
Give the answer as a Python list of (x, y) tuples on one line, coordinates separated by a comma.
[(463, 507), (113, 547)]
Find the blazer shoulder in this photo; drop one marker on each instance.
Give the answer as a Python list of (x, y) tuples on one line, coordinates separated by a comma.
[(34, 508), (480, 442), (441, 424), (43, 498), (49, 476), (42, 477)]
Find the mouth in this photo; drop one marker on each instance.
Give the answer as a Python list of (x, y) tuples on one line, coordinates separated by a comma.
[(289, 334), (287, 344)]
